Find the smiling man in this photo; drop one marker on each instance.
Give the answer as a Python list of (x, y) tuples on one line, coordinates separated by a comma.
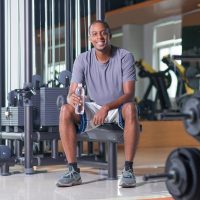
[(109, 75)]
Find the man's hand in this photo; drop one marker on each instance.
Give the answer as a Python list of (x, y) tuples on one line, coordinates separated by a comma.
[(73, 100), (100, 116)]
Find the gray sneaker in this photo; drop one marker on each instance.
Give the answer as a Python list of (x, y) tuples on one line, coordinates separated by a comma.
[(70, 178), (127, 179)]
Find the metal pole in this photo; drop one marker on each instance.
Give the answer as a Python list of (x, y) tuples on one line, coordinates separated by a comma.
[(53, 39), (77, 28), (2, 56), (28, 125), (68, 36), (89, 21), (112, 160), (46, 41), (100, 15), (100, 10)]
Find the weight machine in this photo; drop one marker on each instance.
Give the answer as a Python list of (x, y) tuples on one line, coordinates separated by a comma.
[(184, 88), (160, 81)]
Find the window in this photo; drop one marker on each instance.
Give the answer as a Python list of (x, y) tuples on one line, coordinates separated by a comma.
[(169, 50), (167, 41)]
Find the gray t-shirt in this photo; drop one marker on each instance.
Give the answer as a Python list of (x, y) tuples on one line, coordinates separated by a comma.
[(104, 81)]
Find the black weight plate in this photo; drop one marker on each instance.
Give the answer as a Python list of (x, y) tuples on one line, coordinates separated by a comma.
[(146, 109), (36, 81), (192, 106), (189, 189), (65, 76), (177, 164), (194, 194), (61, 100), (191, 74), (5, 152)]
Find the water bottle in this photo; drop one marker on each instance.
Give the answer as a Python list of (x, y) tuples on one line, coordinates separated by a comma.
[(79, 109)]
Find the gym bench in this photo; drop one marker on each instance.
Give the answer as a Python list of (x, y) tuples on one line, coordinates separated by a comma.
[(110, 134)]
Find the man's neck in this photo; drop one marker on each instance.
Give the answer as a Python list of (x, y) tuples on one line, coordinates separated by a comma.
[(103, 56)]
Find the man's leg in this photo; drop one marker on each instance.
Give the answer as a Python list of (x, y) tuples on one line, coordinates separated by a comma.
[(67, 129), (131, 130), (131, 138)]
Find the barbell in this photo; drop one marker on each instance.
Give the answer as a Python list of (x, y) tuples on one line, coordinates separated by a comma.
[(182, 174), (190, 114)]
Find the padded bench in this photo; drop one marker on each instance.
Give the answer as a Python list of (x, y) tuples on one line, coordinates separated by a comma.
[(112, 135)]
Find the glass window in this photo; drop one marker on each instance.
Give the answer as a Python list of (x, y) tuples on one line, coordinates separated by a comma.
[(170, 50), (167, 41)]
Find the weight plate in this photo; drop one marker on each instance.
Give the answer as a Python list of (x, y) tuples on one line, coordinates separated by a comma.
[(194, 193), (61, 100), (36, 81), (184, 162), (192, 106), (146, 109), (182, 100), (65, 78), (176, 164), (192, 75), (5, 152)]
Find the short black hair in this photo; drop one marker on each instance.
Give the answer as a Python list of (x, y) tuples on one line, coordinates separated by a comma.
[(105, 24)]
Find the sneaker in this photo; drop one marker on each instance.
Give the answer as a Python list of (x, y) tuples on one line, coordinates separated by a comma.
[(70, 178), (127, 179)]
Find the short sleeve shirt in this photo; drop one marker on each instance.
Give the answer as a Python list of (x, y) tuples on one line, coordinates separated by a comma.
[(104, 81)]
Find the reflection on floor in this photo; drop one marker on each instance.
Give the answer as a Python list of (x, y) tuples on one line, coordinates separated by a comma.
[(41, 186)]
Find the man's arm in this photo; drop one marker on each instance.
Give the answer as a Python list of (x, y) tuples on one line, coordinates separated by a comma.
[(129, 91), (72, 98)]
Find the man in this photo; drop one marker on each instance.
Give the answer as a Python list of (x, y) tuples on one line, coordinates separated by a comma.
[(109, 75)]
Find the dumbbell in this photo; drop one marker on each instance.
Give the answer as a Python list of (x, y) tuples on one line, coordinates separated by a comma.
[(190, 114), (182, 174)]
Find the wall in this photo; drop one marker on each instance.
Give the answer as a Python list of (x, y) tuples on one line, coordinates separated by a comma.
[(140, 39)]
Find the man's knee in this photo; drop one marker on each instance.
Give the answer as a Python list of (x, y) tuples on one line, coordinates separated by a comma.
[(129, 111), (66, 112)]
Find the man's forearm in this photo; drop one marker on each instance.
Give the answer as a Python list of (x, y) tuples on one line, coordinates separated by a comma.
[(121, 100)]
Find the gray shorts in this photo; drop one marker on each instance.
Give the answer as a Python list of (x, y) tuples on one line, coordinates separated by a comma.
[(86, 120)]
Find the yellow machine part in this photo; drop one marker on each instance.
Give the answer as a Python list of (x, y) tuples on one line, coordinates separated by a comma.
[(147, 67)]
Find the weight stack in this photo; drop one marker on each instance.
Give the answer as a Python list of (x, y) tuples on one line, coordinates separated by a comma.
[(49, 112)]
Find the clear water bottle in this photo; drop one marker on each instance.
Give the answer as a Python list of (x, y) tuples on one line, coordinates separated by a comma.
[(79, 109)]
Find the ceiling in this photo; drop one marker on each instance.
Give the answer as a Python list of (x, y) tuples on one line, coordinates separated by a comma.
[(149, 11)]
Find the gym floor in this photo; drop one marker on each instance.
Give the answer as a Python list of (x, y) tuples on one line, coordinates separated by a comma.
[(41, 185)]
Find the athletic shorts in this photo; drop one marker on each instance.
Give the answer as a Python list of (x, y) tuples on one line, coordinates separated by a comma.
[(86, 120)]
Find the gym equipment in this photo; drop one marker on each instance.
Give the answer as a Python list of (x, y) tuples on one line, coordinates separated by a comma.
[(46, 104), (180, 71), (182, 174), (182, 171), (161, 81), (5, 160), (193, 76), (184, 88), (190, 114), (44, 121)]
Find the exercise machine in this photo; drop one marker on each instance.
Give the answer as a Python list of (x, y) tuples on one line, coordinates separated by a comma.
[(184, 89), (44, 115), (160, 81)]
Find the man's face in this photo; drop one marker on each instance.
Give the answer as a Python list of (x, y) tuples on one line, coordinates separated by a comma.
[(99, 36)]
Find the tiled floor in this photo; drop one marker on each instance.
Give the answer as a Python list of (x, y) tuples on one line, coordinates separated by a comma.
[(41, 186)]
